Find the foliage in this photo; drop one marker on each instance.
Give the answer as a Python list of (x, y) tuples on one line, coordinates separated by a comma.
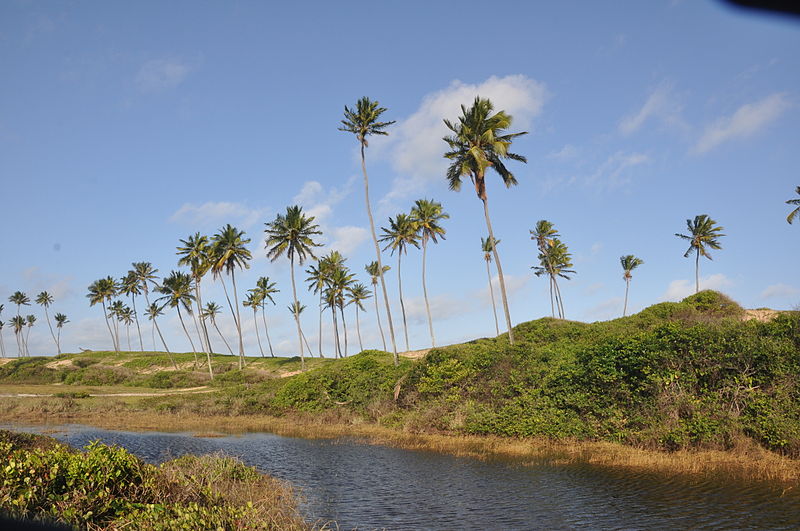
[(30, 371)]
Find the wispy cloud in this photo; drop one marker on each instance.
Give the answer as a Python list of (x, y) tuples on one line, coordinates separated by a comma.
[(661, 104), (159, 75), (748, 120), (614, 171), (779, 290), (608, 309), (567, 152), (680, 289), (348, 238), (212, 214)]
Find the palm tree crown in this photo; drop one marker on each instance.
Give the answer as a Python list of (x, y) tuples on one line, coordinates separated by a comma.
[(703, 231), (629, 263), (44, 299), (796, 212), (401, 233), (292, 234), (363, 120)]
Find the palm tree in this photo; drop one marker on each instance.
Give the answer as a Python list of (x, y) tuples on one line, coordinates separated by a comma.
[(18, 322), (703, 231), (266, 289), (129, 286), (125, 316), (363, 121), (628, 263), (195, 254), (177, 288), (2, 341), (479, 142), (296, 309), (401, 233), (796, 212), (103, 290), (30, 320), (331, 302), (61, 320), (153, 311), (555, 261), (229, 252), (145, 273), (20, 299), (115, 311), (316, 282), (339, 282), (356, 294), (545, 234), (211, 311), (374, 271), (427, 214), (292, 234), (45, 299), (486, 247), (253, 301)]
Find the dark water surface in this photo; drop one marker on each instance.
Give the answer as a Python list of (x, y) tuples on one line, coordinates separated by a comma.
[(374, 487)]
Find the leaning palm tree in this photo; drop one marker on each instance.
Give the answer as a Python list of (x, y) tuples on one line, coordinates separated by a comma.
[(628, 263), (363, 121), (703, 231), (544, 234), (30, 320), (375, 271), (356, 295), (146, 274), (130, 287), (18, 322), (177, 291), (61, 320), (479, 142), (194, 253), (125, 316), (153, 311), (211, 311), (228, 253), (292, 234), (296, 309), (555, 262), (266, 289), (486, 247), (45, 299), (20, 299), (253, 301), (401, 233), (115, 310), (427, 214), (795, 202), (103, 290)]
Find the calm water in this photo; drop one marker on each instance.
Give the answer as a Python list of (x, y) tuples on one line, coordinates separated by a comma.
[(373, 487)]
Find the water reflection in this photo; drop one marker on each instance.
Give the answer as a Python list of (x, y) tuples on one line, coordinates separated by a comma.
[(374, 487)]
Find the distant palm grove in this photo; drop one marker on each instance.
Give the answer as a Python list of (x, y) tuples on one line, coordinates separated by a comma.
[(478, 145)]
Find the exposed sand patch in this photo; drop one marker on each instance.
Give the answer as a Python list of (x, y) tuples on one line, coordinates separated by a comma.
[(760, 315), (290, 373), (3, 361), (58, 364), (414, 354)]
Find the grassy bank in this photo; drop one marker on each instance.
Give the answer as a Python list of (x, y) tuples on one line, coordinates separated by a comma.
[(676, 380), (105, 487)]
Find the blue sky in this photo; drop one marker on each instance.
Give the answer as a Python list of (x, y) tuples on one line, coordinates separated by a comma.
[(127, 126)]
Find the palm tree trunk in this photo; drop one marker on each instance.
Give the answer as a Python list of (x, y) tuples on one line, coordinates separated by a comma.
[(308, 347), (337, 344), (625, 307), (165, 345), (266, 330), (425, 291), (230, 305), (560, 300), (58, 342), (128, 334), (320, 322), (552, 297), (344, 326), (238, 320), (105, 314), (378, 255), (136, 316), (194, 351), (27, 336), (358, 331), (258, 336), (491, 294), (3, 346), (47, 316), (378, 316), (199, 302), (402, 306), (499, 270), (153, 334), (197, 331), (297, 316), (697, 272), (223, 338)]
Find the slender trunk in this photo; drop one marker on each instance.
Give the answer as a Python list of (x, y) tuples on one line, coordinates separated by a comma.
[(116, 334), (197, 330), (266, 330), (58, 341), (358, 331), (165, 345), (552, 297), (499, 270), (697, 272), (344, 327), (199, 302), (105, 314), (625, 307), (308, 347), (296, 313), (136, 316), (47, 316), (238, 321), (258, 336), (402, 306), (128, 335), (560, 300), (378, 315), (378, 255), (153, 334), (3, 346), (27, 336), (425, 291), (320, 321), (223, 337), (194, 351), (337, 344), (227, 298), (491, 294), (19, 345)]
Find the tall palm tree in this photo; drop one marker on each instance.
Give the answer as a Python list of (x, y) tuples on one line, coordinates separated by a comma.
[(61, 320), (45, 299), (356, 295), (363, 121), (544, 234), (125, 316), (153, 311), (229, 252), (401, 233), (211, 311), (253, 300), (130, 287), (339, 283), (18, 322), (266, 289), (177, 291), (628, 263), (103, 290), (115, 310), (486, 247), (146, 275), (296, 309), (20, 299), (2, 341), (795, 202), (194, 253), (703, 231), (317, 276), (330, 299), (293, 234), (375, 271), (30, 320), (555, 261), (427, 215), (479, 142)]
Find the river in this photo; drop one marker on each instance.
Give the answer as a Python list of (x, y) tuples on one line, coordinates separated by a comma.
[(375, 487)]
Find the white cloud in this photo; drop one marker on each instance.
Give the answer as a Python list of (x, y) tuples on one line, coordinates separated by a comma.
[(679, 289), (60, 287), (415, 145), (442, 307), (565, 153), (159, 75), (318, 202), (779, 290), (608, 309), (746, 121), (593, 289), (660, 104), (613, 172), (347, 239), (211, 214)]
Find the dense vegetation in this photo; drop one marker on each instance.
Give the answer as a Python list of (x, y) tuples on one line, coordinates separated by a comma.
[(105, 487), (676, 375)]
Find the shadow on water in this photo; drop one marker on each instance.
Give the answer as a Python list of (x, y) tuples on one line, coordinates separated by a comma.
[(374, 487)]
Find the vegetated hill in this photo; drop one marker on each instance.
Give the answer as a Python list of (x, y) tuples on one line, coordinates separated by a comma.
[(676, 375)]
